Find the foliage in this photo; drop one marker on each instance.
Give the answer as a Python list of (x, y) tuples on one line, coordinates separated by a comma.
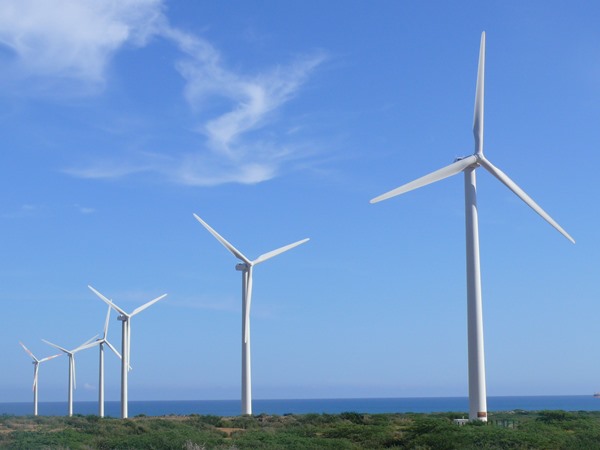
[(552, 430)]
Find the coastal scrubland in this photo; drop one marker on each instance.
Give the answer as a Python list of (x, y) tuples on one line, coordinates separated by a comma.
[(508, 430)]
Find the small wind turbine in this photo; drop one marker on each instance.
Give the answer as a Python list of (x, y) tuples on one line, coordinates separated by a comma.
[(125, 343), (72, 381), (100, 343), (246, 267), (36, 369), (468, 165)]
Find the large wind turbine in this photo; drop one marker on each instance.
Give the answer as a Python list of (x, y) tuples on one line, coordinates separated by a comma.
[(125, 342), (100, 343), (246, 267), (468, 165), (36, 369), (72, 381)]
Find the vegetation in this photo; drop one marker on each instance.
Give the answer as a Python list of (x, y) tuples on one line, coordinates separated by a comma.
[(547, 430)]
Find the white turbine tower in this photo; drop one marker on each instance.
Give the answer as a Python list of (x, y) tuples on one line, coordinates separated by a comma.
[(125, 318), (246, 267), (72, 381), (36, 369), (468, 165), (100, 343)]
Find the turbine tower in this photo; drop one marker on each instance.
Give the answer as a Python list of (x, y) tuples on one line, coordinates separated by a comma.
[(468, 165), (100, 343), (246, 267), (125, 318), (72, 381), (36, 369)]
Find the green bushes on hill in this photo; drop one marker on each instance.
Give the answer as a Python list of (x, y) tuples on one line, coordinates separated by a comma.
[(546, 430)]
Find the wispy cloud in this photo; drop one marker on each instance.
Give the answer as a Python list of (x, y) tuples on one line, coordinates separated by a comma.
[(239, 143), (85, 209), (22, 212), (74, 38)]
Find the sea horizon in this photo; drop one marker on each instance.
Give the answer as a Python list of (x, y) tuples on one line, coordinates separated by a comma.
[(308, 406)]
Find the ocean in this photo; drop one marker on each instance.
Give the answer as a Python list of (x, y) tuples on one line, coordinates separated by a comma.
[(330, 406)]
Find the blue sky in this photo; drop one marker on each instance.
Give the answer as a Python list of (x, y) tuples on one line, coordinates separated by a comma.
[(276, 121)]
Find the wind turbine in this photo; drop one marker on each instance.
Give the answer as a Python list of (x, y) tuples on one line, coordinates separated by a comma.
[(468, 165), (100, 343), (246, 267), (125, 318), (36, 369), (72, 381)]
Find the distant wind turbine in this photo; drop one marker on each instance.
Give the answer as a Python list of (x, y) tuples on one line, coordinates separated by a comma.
[(100, 343), (72, 381), (246, 267), (36, 369), (468, 165), (125, 343)]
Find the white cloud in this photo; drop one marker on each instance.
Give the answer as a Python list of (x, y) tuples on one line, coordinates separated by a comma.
[(74, 38)]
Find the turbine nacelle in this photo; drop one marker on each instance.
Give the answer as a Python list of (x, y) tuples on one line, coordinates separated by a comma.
[(242, 267)]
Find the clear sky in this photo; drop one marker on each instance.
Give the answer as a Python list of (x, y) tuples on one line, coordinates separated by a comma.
[(275, 121)]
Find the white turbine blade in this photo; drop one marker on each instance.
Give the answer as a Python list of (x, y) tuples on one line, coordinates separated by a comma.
[(104, 335), (107, 301), (56, 346), (48, 358), (248, 303), (89, 340), (271, 254), (128, 345), (448, 171), (223, 241), (72, 367), (114, 350), (479, 91), (87, 345), (146, 305), (28, 352), (523, 196), (35, 375)]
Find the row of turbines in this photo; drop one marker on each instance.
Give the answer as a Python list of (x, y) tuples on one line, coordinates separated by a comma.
[(476, 360), (124, 356)]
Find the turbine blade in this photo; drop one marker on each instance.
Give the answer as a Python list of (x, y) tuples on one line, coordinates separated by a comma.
[(72, 361), (146, 305), (87, 345), (247, 305), (28, 352), (223, 241), (35, 375), (448, 171), (504, 179), (107, 301), (479, 91), (56, 346), (114, 350), (48, 358), (128, 345), (89, 340), (104, 335), (271, 254)]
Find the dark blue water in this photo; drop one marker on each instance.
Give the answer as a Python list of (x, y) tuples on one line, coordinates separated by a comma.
[(330, 406)]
